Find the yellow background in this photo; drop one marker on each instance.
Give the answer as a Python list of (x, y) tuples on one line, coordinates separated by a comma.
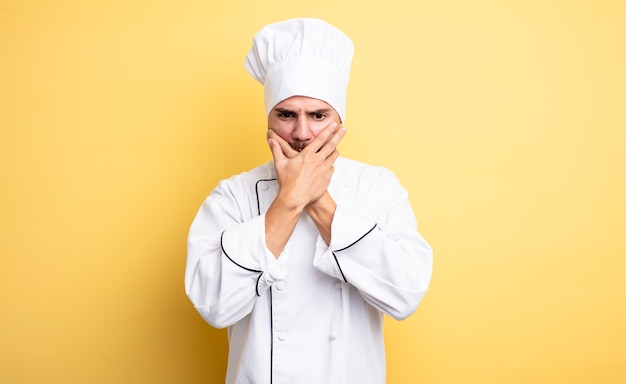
[(505, 120)]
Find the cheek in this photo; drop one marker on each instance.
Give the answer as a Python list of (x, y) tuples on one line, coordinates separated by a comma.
[(318, 127), (282, 128)]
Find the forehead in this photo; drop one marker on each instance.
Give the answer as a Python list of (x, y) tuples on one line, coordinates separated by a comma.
[(297, 103)]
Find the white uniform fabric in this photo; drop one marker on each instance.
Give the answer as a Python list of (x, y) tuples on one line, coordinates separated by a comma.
[(315, 314)]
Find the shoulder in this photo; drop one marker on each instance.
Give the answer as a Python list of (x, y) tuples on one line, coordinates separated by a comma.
[(248, 179)]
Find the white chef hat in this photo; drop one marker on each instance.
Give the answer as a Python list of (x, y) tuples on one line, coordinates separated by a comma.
[(302, 57)]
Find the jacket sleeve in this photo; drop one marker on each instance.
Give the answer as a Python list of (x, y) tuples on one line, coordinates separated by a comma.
[(228, 263), (376, 248)]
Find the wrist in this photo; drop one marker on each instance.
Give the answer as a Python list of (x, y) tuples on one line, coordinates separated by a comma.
[(322, 212), (287, 204), (324, 206)]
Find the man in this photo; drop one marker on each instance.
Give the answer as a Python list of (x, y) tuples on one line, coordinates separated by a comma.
[(301, 257)]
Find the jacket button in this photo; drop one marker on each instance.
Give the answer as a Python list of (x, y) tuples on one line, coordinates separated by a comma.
[(333, 336), (280, 285), (264, 187), (338, 285), (282, 337)]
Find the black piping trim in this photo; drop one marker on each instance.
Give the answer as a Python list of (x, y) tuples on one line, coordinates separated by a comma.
[(344, 248), (241, 266), (256, 188), (258, 208), (271, 339), (234, 262), (257, 284), (339, 266), (359, 239)]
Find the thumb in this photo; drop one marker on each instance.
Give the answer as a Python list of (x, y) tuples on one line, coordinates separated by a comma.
[(277, 152)]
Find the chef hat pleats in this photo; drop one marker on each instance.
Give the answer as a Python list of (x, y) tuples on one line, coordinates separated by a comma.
[(302, 57)]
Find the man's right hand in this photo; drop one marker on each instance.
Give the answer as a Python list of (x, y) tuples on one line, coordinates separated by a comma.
[(304, 176)]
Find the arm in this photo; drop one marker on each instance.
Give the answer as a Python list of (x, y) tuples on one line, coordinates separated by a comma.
[(303, 178), (376, 248), (232, 258), (228, 265), (322, 213)]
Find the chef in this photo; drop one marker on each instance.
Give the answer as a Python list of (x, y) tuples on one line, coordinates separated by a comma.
[(301, 258)]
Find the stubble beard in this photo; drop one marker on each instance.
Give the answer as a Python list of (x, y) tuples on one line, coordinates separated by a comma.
[(298, 145)]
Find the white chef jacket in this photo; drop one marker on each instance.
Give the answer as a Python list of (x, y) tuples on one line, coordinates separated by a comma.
[(315, 314)]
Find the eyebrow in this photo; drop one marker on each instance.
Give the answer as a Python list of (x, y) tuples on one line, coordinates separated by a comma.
[(320, 110)]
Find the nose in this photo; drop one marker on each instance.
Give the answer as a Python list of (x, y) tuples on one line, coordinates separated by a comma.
[(302, 130)]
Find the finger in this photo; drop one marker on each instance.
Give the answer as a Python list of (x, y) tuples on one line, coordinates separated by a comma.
[(333, 141), (284, 145), (322, 138), (277, 152), (330, 159)]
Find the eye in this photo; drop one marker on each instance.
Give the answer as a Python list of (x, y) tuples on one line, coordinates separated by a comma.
[(286, 115), (319, 115)]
